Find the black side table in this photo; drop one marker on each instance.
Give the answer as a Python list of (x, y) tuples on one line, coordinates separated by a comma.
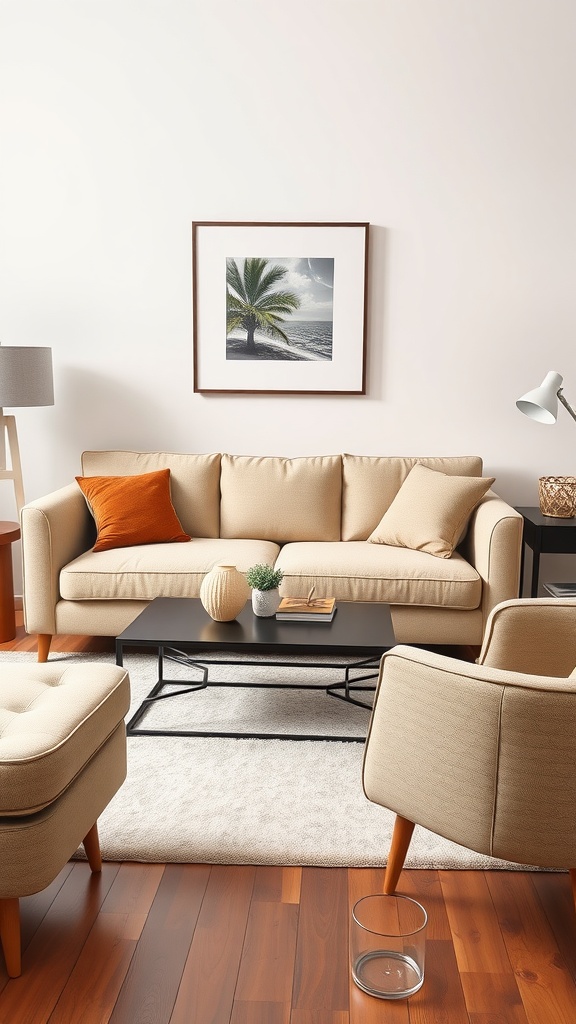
[(546, 535)]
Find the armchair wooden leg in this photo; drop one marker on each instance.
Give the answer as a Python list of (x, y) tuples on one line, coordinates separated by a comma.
[(44, 641), (91, 844), (10, 936), (401, 837)]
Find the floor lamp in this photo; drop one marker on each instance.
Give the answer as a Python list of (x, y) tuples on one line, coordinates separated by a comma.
[(25, 380)]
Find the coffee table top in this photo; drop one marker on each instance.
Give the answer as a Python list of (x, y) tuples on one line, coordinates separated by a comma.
[(356, 628)]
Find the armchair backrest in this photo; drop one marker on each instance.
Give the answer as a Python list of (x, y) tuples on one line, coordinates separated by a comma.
[(535, 809), (537, 636)]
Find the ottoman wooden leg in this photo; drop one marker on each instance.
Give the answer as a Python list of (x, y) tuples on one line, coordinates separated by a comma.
[(91, 844), (10, 936)]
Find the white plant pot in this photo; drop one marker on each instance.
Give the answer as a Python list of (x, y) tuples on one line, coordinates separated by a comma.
[(265, 603)]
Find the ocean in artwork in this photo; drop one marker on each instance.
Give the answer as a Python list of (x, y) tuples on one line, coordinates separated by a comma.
[(309, 340)]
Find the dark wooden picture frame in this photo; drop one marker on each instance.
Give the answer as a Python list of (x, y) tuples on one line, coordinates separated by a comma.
[(279, 308)]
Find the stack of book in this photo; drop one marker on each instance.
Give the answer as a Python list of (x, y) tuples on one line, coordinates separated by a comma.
[(301, 609)]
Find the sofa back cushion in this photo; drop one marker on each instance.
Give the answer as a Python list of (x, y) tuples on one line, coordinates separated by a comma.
[(194, 482), (370, 484), (281, 499)]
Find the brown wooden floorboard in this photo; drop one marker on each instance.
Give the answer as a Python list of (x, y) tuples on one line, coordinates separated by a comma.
[(155, 971), (321, 967), (544, 980), (94, 985), (217, 944)]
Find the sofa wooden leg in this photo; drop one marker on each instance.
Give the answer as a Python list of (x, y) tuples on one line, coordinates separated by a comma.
[(44, 641), (91, 844), (401, 837), (10, 936)]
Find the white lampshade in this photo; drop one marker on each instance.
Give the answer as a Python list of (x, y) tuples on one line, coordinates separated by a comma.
[(25, 376), (541, 404)]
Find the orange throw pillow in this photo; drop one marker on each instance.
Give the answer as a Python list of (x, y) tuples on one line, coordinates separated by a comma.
[(132, 509)]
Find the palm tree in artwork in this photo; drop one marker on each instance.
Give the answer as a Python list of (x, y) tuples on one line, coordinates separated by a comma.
[(252, 301)]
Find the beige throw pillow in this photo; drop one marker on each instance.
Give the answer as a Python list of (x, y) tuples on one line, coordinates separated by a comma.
[(430, 511)]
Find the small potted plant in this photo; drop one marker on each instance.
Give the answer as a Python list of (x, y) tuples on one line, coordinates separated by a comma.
[(264, 581)]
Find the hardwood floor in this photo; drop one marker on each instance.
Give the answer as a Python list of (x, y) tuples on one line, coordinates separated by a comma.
[(205, 944)]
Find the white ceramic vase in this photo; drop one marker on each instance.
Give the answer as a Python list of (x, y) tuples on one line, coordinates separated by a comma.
[(224, 592), (265, 603)]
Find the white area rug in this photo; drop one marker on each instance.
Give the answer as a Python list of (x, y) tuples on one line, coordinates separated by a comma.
[(247, 801)]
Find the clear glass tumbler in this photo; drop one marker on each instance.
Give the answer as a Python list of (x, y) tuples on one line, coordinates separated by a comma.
[(387, 945)]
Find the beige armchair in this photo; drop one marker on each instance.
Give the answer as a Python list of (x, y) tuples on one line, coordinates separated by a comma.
[(483, 754)]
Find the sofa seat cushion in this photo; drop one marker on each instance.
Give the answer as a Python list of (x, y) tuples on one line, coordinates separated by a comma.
[(156, 570), (358, 571), (53, 718)]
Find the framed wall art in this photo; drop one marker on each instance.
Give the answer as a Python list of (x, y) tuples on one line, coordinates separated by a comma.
[(279, 308)]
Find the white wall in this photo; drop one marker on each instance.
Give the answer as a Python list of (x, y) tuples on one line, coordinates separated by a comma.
[(448, 125)]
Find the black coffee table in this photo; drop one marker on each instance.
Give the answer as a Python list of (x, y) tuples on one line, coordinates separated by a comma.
[(179, 628)]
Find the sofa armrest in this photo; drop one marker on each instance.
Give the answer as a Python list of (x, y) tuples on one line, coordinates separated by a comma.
[(55, 529), (493, 545)]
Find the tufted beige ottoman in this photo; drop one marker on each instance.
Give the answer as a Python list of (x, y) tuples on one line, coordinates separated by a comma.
[(62, 759)]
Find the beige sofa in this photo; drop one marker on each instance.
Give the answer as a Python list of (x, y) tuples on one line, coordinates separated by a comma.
[(309, 516)]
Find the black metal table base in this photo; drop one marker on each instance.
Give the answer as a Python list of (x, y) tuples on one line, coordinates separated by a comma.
[(342, 691)]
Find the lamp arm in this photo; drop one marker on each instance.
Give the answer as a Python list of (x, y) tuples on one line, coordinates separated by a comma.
[(566, 404)]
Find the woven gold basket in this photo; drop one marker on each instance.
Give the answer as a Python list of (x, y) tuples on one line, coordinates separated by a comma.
[(557, 496)]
